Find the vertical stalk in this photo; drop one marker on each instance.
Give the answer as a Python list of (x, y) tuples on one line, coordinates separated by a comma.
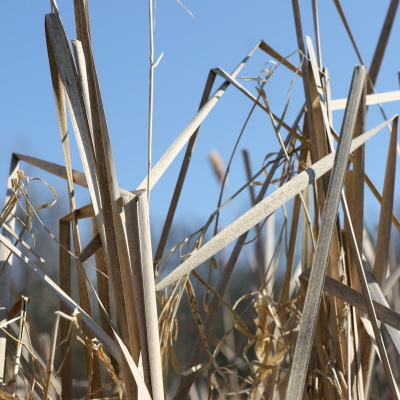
[(316, 32), (151, 91), (318, 272), (50, 361), (133, 236), (66, 286), (19, 344), (153, 339)]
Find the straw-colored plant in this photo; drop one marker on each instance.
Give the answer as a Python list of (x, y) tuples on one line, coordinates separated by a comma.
[(309, 318)]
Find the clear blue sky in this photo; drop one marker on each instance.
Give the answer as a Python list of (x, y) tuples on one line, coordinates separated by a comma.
[(224, 32)]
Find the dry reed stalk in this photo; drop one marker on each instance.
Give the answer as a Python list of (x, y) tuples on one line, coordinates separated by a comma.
[(78, 177), (135, 251), (385, 219), (259, 244), (65, 285), (151, 96), (102, 285), (59, 97), (81, 69), (318, 144), (371, 311), (376, 98), (354, 189), (314, 291), (153, 339), (316, 33), (264, 367), (273, 53), (384, 232), (18, 351), (355, 298), (347, 27), (5, 268)]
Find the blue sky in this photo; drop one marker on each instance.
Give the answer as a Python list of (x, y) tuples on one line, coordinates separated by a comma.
[(224, 32)]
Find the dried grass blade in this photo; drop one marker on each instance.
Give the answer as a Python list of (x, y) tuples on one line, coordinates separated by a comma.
[(368, 300), (80, 213), (319, 108), (284, 292), (356, 299), (114, 243), (103, 290), (58, 47), (78, 177), (306, 228), (259, 243), (348, 30), (385, 218), (316, 32), (354, 187), (317, 139), (378, 196), (94, 245), (261, 211), (273, 53), (377, 295), (355, 192), (23, 243), (328, 95), (381, 45), (82, 22), (314, 291), (153, 339), (65, 286), (196, 314), (374, 190), (315, 156), (55, 169), (81, 67), (325, 145), (50, 361), (384, 234), (133, 237), (17, 358), (376, 98)]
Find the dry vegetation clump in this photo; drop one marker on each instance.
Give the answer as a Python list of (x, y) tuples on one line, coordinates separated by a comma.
[(307, 321)]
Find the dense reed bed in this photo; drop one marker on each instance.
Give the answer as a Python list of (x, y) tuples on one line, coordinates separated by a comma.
[(316, 315)]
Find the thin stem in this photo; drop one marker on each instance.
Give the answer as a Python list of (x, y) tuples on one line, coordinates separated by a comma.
[(151, 92), (25, 300), (316, 32)]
